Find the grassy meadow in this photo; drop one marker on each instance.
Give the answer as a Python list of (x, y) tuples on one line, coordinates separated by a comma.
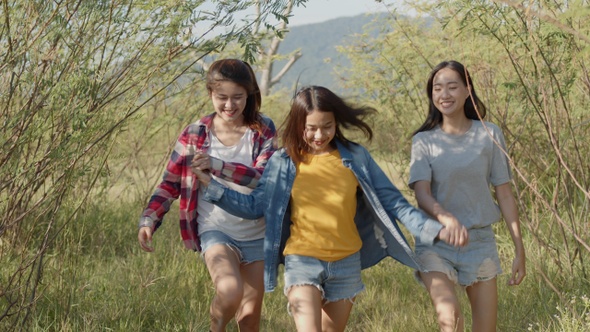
[(94, 93), (105, 282), (97, 278)]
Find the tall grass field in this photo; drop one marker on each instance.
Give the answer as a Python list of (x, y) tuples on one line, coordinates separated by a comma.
[(105, 282), (94, 93)]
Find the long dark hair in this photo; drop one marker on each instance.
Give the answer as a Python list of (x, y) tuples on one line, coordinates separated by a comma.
[(317, 98), (434, 117), (238, 72)]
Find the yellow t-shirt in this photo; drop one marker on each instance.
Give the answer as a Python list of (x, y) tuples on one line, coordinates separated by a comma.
[(323, 206)]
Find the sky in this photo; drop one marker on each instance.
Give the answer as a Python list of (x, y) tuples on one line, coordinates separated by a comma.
[(316, 11)]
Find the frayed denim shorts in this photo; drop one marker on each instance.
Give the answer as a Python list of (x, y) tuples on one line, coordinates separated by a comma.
[(336, 281), (247, 251), (477, 261)]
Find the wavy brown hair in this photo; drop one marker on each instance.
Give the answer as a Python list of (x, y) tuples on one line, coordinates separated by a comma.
[(318, 98)]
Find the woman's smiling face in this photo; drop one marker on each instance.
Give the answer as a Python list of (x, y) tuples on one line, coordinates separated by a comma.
[(320, 129), (229, 100), (449, 92)]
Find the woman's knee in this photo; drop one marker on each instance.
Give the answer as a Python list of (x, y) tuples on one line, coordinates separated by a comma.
[(450, 318), (229, 290)]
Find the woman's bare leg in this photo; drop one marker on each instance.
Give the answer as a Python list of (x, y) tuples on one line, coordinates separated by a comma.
[(248, 316), (224, 268), (305, 304), (445, 301), (483, 296), (335, 315)]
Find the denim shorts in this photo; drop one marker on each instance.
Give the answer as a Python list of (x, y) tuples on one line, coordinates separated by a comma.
[(336, 281), (247, 251), (477, 261)]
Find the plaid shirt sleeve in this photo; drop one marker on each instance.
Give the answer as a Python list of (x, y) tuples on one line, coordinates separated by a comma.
[(171, 186), (264, 147)]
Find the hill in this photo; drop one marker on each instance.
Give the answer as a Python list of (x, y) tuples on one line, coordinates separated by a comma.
[(318, 43)]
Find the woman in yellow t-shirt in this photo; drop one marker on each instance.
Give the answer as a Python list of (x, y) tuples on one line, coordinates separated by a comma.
[(330, 210)]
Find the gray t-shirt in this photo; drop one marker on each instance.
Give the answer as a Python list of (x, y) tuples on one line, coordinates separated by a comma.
[(461, 168)]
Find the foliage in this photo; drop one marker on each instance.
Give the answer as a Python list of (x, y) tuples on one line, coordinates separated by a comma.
[(73, 75), (572, 316), (97, 278), (529, 64), (93, 94)]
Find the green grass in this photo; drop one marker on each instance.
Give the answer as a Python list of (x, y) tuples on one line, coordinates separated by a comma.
[(98, 279)]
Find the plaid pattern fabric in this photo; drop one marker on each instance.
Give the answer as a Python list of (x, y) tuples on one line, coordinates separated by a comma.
[(179, 181)]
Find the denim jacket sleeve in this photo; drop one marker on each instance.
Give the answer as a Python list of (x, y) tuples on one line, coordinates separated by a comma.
[(247, 206), (397, 207)]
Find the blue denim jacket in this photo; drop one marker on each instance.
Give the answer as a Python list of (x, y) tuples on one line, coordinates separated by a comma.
[(379, 204)]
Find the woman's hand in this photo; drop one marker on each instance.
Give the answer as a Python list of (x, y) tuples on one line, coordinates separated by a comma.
[(144, 235), (201, 166), (453, 232), (518, 269)]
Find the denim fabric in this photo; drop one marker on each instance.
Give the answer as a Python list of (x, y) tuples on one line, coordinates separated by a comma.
[(477, 261), (338, 280), (248, 251), (379, 205)]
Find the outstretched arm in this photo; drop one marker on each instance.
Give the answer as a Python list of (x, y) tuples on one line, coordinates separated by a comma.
[(455, 233), (423, 227), (239, 204), (509, 210)]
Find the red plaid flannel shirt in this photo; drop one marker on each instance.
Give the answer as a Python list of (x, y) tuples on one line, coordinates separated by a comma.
[(179, 181)]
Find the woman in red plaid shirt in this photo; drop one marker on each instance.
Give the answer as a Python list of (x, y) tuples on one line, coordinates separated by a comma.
[(239, 141)]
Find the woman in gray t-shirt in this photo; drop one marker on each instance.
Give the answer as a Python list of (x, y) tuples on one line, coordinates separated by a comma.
[(456, 159)]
